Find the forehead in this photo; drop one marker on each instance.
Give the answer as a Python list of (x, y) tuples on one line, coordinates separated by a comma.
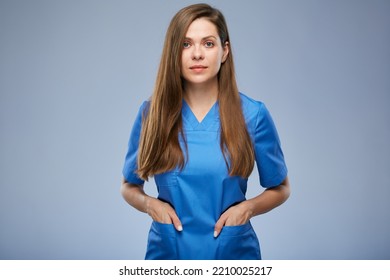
[(201, 28)]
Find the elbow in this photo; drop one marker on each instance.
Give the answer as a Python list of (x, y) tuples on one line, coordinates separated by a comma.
[(283, 190), (123, 187), (287, 193), (286, 189), (129, 190)]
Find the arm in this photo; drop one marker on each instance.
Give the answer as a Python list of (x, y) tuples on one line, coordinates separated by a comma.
[(159, 211), (264, 202)]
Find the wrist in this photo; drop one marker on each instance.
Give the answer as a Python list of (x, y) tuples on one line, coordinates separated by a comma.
[(147, 201), (249, 208)]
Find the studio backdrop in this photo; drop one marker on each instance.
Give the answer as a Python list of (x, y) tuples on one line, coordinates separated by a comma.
[(74, 73)]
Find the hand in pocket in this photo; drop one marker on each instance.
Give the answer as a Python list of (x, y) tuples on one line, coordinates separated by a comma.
[(236, 215), (162, 212)]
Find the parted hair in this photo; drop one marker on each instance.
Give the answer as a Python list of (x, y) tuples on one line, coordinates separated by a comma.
[(159, 146)]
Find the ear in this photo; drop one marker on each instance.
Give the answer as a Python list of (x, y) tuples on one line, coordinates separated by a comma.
[(225, 51)]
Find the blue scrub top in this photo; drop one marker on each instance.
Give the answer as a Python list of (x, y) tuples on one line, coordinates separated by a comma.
[(203, 190)]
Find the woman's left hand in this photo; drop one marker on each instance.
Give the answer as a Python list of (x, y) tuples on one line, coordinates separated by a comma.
[(234, 216), (241, 213)]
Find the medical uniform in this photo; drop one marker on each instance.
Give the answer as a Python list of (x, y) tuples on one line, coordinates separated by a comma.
[(203, 189)]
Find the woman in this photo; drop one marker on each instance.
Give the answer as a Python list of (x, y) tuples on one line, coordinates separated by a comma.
[(199, 137)]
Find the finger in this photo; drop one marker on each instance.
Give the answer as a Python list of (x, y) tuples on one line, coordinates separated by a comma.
[(175, 220), (219, 225)]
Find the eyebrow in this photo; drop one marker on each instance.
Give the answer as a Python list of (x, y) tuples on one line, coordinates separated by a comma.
[(204, 38)]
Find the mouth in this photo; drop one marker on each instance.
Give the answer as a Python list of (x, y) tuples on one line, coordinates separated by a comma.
[(198, 67)]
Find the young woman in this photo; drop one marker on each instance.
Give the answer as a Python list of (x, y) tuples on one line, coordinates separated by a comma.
[(199, 137)]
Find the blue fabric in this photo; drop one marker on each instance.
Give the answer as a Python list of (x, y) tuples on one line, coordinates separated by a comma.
[(203, 190)]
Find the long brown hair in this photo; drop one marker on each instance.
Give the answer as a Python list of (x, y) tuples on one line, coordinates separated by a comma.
[(159, 148)]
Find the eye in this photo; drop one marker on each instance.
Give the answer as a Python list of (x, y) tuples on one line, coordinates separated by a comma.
[(186, 45), (209, 44)]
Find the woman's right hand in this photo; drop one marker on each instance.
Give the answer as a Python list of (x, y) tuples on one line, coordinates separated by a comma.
[(162, 212), (159, 211)]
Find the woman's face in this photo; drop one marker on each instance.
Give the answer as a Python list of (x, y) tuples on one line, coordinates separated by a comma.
[(203, 53)]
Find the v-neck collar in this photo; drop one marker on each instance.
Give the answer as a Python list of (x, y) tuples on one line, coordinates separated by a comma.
[(210, 118)]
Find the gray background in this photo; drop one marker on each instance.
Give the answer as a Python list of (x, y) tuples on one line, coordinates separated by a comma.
[(73, 74)]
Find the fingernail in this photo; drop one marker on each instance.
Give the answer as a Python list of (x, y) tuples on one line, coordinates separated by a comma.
[(215, 233), (180, 228)]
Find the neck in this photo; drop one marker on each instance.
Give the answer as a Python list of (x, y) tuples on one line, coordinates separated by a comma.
[(201, 95)]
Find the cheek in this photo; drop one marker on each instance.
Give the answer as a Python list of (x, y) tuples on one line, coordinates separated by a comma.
[(184, 60), (184, 66), (217, 60)]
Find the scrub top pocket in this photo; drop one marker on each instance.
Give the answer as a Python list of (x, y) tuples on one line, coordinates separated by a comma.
[(161, 242), (238, 242)]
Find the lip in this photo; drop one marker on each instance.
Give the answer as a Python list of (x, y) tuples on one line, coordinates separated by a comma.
[(198, 67)]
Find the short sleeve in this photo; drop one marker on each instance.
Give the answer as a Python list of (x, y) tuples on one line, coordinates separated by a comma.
[(130, 166), (268, 152)]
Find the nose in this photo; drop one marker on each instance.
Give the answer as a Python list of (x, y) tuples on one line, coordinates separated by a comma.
[(197, 53)]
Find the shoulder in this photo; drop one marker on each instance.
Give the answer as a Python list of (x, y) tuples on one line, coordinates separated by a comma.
[(145, 106), (250, 104), (251, 108), (143, 109)]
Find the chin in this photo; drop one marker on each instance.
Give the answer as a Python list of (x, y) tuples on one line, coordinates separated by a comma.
[(199, 80)]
